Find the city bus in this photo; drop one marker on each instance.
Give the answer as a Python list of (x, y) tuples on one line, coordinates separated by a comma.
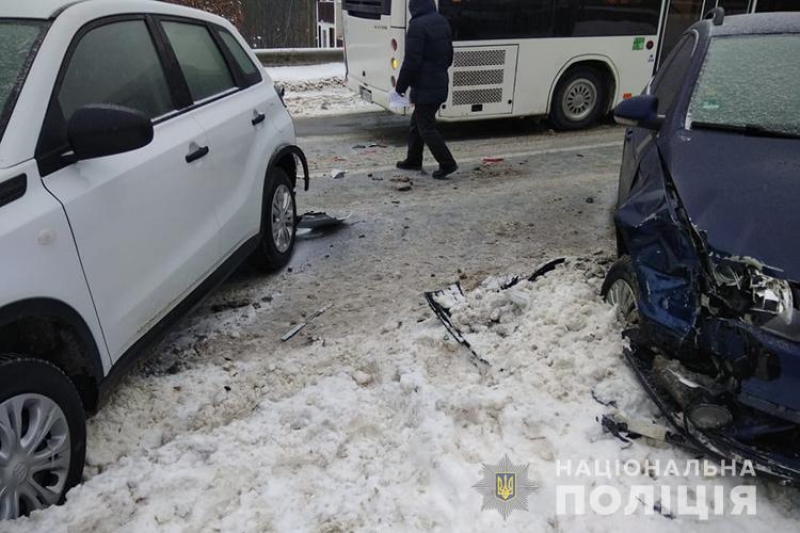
[(570, 60)]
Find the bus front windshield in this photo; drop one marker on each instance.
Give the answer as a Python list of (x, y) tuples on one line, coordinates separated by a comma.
[(749, 83)]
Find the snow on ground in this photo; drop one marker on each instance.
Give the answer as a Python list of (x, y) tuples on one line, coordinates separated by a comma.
[(316, 90), (307, 73), (380, 432)]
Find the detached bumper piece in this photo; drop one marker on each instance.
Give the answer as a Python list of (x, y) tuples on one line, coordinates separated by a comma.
[(455, 293), (319, 221), (709, 417)]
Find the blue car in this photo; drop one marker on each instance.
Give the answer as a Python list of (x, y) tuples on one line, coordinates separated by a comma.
[(708, 275)]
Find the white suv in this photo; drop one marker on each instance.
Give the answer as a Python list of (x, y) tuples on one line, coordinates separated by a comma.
[(144, 154)]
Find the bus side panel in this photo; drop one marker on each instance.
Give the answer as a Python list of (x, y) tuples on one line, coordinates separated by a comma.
[(482, 82), (542, 62)]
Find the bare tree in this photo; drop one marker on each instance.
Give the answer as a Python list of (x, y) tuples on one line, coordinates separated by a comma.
[(230, 9)]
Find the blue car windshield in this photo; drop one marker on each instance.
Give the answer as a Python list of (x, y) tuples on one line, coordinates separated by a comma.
[(750, 82), (18, 39)]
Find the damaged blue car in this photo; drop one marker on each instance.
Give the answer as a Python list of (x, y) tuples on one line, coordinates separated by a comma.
[(708, 275)]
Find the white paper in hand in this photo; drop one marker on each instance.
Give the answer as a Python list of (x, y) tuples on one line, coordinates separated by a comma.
[(397, 101)]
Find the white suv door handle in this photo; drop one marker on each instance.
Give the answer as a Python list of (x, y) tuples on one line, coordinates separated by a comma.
[(258, 118), (199, 152)]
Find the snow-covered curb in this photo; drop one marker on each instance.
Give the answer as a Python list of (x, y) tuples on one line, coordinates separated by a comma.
[(318, 90)]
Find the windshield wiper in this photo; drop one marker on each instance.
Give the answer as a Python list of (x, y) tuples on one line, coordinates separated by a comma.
[(751, 130)]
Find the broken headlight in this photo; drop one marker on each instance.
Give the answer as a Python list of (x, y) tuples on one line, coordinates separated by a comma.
[(748, 293), (772, 296)]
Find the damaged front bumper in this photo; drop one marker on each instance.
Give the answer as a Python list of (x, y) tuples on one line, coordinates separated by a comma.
[(769, 445), (728, 321)]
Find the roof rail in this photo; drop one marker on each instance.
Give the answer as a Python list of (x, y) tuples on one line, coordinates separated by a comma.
[(717, 15)]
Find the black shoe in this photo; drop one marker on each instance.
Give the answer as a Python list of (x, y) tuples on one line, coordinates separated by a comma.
[(405, 165), (443, 171)]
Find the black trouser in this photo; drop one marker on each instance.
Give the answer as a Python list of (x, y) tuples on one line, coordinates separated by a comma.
[(423, 131)]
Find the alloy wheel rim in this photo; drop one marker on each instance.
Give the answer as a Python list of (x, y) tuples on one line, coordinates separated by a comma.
[(282, 218), (621, 296), (580, 99), (35, 453)]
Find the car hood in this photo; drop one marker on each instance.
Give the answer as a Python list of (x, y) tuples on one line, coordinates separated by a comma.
[(743, 191)]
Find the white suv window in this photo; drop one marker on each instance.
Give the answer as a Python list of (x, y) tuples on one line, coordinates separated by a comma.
[(238, 53), (201, 61), (102, 70)]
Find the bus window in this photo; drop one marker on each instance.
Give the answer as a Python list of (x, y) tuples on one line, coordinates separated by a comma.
[(735, 7), (598, 18), (768, 6), (478, 20), (475, 20), (369, 9)]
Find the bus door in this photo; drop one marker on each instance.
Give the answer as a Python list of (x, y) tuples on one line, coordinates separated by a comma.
[(482, 81), (374, 32), (681, 14)]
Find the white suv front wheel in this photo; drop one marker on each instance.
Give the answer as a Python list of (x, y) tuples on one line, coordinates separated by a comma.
[(42, 436)]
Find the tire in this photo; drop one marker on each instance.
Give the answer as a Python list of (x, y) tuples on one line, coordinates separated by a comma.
[(621, 289), (579, 99), (274, 252), (38, 390)]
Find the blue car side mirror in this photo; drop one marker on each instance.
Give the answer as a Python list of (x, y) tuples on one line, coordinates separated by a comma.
[(639, 112)]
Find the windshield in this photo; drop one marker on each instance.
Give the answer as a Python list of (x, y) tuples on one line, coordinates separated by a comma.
[(17, 41), (750, 82)]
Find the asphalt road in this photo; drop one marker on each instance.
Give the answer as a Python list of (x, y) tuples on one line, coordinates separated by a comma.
[(546, 195)]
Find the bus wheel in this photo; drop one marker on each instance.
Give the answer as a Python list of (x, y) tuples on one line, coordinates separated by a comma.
[(579, 99)]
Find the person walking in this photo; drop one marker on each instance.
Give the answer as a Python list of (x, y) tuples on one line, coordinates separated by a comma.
[(429, 54)]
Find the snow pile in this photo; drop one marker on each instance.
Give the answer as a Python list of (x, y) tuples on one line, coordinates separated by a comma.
[(382, 433), (297, 76), (316, 90)]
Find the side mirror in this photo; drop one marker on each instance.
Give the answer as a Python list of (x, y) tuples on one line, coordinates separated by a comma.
[(103, 130), (639, 112)]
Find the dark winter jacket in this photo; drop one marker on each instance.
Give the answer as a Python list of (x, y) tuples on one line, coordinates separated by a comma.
[(429, 53)]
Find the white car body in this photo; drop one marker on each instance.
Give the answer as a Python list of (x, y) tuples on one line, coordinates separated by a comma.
[(144, 154), (121, 241)]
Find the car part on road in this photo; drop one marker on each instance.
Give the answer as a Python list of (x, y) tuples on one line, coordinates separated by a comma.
[(42, 435), (627, 429), (299, 327), (456, 293), (319, 221), (443, 314)]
